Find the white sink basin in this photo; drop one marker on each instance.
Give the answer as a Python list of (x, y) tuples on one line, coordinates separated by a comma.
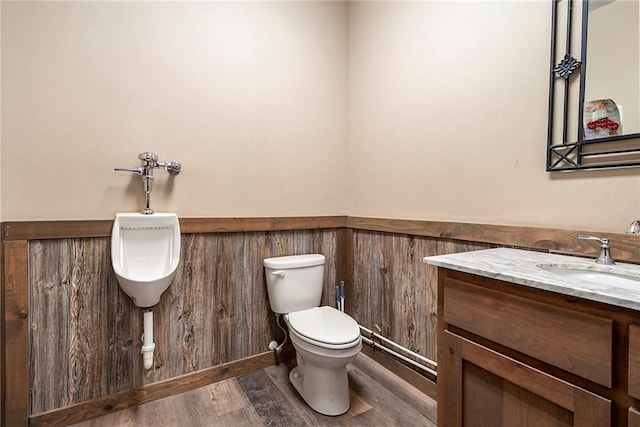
[(608, 275)]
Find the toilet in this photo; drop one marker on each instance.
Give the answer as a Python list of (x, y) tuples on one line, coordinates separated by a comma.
[(325, 339)]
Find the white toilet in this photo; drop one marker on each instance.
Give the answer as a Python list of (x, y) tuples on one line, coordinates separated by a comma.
[(325, 339)]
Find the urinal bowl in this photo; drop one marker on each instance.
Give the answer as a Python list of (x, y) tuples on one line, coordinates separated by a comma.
[(145, 252)]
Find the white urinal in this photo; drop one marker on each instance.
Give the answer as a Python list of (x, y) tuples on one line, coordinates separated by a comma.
[(145, 251)]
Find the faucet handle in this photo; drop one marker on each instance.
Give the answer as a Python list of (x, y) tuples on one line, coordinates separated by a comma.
[(605, 254), (634, 227), (148, 157)]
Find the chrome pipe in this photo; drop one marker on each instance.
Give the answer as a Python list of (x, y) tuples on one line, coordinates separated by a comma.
[(398, 346), (399, 356)]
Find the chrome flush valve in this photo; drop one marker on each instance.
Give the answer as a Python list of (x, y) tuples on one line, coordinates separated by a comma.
[(149, 162)]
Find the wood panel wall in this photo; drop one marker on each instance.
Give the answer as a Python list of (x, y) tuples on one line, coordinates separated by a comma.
[(82, 332), (87, 331), (393, 290)]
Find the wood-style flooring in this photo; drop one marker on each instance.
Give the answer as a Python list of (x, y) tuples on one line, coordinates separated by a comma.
[(266, 398)]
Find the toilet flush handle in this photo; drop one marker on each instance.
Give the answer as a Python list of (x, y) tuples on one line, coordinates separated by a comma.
[(279, 273)]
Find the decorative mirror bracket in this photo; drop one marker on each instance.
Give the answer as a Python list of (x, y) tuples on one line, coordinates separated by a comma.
[(566, 104), (149, 162)]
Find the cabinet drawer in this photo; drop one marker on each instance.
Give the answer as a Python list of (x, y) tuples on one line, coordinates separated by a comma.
[(576, 342)]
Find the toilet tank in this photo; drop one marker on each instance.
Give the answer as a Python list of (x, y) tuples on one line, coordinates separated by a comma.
[(294, 282)]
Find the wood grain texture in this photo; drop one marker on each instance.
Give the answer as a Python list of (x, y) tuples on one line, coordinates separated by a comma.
[(40, 230), (634, 417), (591, 410), (634, 361), (623, 320), (265, 397), (76, 317), (88, 331), (540, 330), (393, 288), (514, 393), (624, 246), (148, 393), (15, 326), (214, 312), (548, 239), (416, 378)]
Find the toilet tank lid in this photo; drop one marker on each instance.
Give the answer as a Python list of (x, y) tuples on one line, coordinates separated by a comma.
[(294, 261)]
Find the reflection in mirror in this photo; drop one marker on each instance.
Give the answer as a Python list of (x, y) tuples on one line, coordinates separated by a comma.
[(594, 86), (612, 72)]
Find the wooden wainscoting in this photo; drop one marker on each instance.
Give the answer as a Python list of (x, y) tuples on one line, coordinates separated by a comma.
[(126, 399), (15, 329), (624, 246), (80, 325), (84, 328), (394, 290)]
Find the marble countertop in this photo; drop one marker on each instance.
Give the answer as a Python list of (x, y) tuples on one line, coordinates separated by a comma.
[(527, 268)]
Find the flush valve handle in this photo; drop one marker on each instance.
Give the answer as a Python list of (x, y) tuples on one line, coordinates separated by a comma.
[(137, 170), (605, 249), (148, 157)]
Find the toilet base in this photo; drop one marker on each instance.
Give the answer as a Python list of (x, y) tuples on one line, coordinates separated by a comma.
[(325, 390)]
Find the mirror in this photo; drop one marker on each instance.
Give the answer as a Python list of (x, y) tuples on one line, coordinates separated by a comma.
[(594, 86)]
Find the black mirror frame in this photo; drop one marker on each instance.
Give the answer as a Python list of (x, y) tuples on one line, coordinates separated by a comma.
[(610, 152)]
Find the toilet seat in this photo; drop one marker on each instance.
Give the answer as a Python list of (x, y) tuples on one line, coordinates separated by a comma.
[(325, 327)]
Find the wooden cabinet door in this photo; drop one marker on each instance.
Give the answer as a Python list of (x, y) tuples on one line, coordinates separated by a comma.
[(480, 387), (634, 361), (634, 417)]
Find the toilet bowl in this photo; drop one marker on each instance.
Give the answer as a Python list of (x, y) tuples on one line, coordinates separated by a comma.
[(325, 339)]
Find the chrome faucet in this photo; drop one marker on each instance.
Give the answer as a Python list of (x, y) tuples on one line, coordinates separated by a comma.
[(634, 227), (605, 254), (149, 162)]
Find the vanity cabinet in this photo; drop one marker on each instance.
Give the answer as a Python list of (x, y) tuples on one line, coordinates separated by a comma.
[(486, 388), (510, 355)]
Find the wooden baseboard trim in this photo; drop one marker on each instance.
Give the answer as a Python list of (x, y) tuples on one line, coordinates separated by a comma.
[(417, 380), (148, 393), (546, 239), (624, 247), (37, 230)]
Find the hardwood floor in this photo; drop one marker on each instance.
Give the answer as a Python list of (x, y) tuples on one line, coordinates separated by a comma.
[(266, 398)]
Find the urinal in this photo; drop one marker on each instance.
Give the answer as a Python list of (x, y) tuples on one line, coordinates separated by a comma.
[(145, 252)]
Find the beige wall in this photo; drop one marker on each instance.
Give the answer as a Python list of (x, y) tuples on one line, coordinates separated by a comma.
[(250, 97), (426, 110), (448, 120)]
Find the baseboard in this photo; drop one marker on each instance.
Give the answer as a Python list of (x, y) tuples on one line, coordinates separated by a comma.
[(158, 390)]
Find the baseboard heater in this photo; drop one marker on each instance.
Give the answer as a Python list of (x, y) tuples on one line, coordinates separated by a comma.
[(422, 363)]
